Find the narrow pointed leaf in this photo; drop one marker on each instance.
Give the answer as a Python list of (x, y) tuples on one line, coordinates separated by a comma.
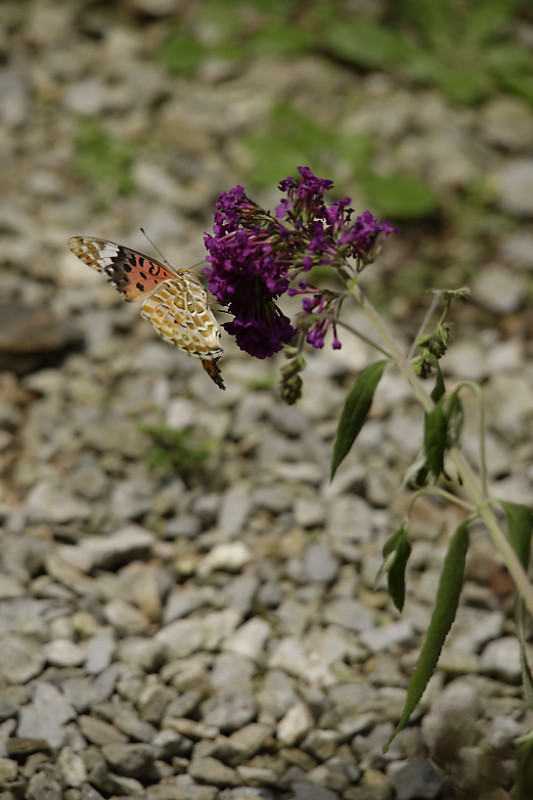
[(355, 411), (396, 552), (438, 389), (435, 434), (525, 669), (455, 416), (524, 769), (397, 571), (446, 602), (520, 525)]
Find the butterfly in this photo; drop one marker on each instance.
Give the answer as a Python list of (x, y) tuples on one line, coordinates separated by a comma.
[(174, 301)]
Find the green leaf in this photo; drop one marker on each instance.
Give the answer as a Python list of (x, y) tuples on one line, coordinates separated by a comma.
[(102, 158), (520, 625), (446, 602), (435, 435), (438, 389), (181, 54), (520, 525), (396, 552), (355, 411), (455, 417), (363, 42), (399, 196), (524, 768)]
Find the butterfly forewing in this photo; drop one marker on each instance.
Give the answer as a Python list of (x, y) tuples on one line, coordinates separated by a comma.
[(175, 302), (132, 273)]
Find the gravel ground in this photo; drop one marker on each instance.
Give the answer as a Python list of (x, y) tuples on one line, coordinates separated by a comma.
[(176, 629)]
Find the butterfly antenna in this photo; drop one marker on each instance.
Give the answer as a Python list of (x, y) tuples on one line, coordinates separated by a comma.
[(156, 248)]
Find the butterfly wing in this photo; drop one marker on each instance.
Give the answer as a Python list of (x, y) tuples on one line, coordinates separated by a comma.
[(174, 302), (179, 312), (133, 274)]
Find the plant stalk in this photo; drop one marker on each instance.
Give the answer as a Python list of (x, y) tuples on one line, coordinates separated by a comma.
[(470, 480)]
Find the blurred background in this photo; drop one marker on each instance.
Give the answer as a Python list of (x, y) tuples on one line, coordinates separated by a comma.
[(116, 115)]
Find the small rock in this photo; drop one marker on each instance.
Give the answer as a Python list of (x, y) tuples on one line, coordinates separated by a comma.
[(349, 613), (229, 710), (499, 289), (133, 760), (309, 512), (508, 123), (127, 544), (306, 791), (210, 770), (517, 249), (501, 657), (240, 592), (184, 600), (181, 638), (453, 716), (322, 744), (231, 557), (48, 503), (514, 184), (249, 739), (8, 770), (289, 656), (64, 653), (31, 337), (128, 721), (99, 652), (72, 767), (416, 778), (21, 658), (126, 619), (257, 776), (319, 564), (235, 508), (46, 716), (99, 732), (44, 785), (386, 636), (250, 639), (296, 723)]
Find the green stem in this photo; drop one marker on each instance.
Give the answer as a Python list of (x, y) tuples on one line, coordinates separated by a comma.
[(469, 479)]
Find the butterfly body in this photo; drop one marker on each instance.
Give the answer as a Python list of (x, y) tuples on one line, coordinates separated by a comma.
[(174, 301)]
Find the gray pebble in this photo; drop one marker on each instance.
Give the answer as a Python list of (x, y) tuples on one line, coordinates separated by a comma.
[(319, 564)]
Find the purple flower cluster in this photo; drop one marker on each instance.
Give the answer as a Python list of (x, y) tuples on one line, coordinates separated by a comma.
[(256, 257), (247, 273)]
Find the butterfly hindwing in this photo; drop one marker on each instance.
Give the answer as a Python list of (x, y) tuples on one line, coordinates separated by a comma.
[(178, 311), (133, 274), (175, 302)]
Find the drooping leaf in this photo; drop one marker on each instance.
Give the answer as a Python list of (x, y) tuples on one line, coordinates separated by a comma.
[(446, 602), (455, 417), (520, 525), (524, 768), (355, 411), (435, 436), (396, 552), (525, 669), (438, 389)]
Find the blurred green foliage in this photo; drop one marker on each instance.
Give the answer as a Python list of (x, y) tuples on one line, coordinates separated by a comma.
[(102, 159), (465, 48), (178, 452), (468, 50)]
